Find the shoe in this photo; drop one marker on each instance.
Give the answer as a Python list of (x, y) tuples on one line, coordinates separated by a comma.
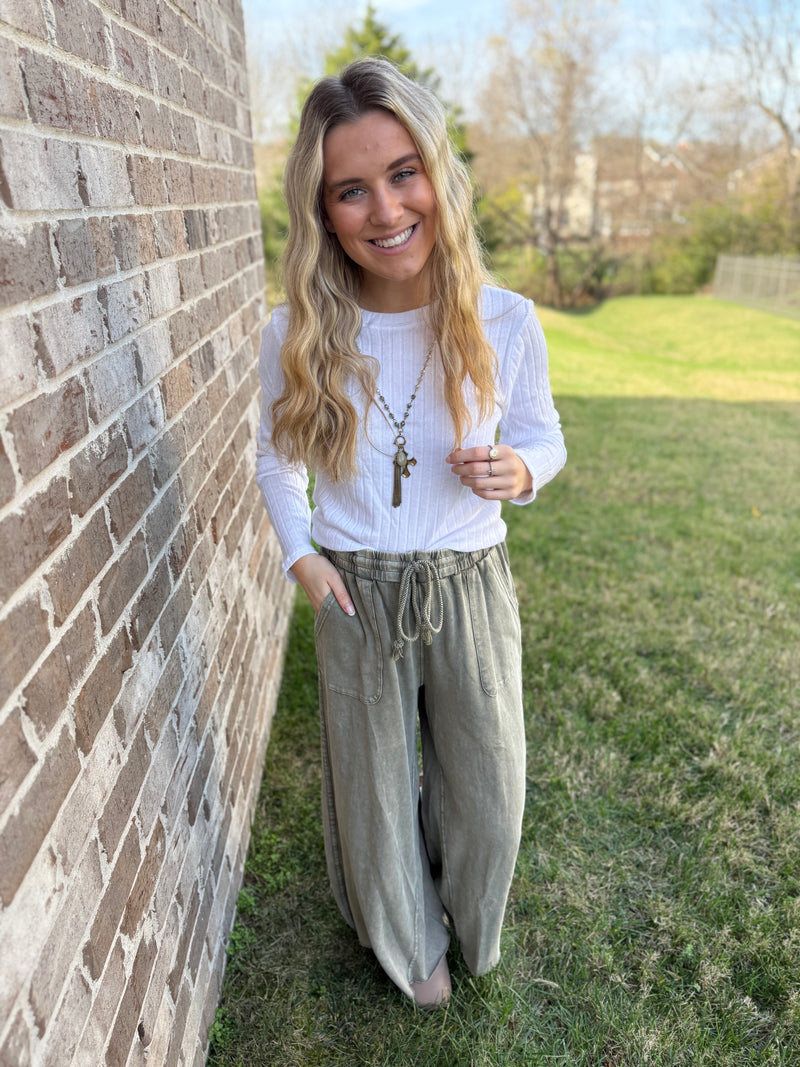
[(436, 991)]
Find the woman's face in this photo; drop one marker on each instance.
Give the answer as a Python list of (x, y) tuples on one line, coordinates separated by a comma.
[(380, 204)]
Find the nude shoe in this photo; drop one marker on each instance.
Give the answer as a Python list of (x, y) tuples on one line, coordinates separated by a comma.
[(436, 991)]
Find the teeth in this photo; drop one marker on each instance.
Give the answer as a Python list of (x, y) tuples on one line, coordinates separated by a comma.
[(393, 242)]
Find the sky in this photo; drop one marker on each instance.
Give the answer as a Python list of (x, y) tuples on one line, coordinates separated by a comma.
[(289, 37)]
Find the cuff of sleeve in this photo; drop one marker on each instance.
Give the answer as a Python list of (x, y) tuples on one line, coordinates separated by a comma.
[(293, 557), (529, 494)]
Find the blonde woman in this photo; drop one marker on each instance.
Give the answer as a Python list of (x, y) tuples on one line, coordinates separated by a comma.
[(418, 394)]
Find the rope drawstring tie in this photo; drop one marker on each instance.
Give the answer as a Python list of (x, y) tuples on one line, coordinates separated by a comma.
[(417, 574)]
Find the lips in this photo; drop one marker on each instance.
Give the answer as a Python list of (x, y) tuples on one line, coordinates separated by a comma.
[(393, 242)]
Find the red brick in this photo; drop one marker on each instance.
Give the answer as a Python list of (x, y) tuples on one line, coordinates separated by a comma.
[(63, 944), (176, 388), (68, 332), (153, 353), (131, 1006), (181, 548), (104, 1008), (134, 243), (47, 426), (130, 500), (167, 454), (130, 51), (147, 180), (178, 177), (76, 251), (16, 1049), (24, 634), (154, 124), (46, 88), (115, 112), (27, 827), (27, 268), (162, 766), (111, 382), (169, 83), (125, 306), (163, 699), (198, 784), (174, 614), (107, 919), (149, 604), (184, 137), (18, 366), (201, 926), (144, 420), (103, 243), (96, 468), (78, 566), (187, 926), (29, 536), (84, 36), (120, 583), (64, 1032), (16, 758), (142, 893), (38, 173), (8, 480), (94, 702), (144, 15), (184, 1003), (47, 694), (121, 803)]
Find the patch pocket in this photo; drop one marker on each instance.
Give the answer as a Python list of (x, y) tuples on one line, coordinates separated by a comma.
[(495, 627), (349, 651)]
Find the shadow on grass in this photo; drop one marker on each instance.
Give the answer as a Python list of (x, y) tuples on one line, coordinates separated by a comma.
[(654, 915)]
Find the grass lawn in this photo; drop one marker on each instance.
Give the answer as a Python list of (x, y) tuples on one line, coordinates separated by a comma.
[(655, 915)]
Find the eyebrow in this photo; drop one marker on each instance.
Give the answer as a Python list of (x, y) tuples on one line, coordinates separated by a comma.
[(411, 157)]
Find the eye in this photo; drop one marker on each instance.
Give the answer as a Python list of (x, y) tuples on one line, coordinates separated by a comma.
[(405, 173), (351, 194)]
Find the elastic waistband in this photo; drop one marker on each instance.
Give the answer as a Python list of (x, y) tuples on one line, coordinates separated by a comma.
[(390, 566)]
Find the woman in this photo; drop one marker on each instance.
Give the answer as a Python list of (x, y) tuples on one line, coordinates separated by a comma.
[(418, 393)]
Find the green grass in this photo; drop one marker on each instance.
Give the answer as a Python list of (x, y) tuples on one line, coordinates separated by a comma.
[(655, 916)]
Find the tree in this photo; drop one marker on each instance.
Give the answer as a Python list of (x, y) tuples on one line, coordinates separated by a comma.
[(374, 38), (758, 45), (544, 91)]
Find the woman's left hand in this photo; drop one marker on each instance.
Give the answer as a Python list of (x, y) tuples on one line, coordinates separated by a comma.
[(504, 478)]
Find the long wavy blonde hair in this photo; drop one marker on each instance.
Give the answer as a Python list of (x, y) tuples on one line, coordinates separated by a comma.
[(315, 421)]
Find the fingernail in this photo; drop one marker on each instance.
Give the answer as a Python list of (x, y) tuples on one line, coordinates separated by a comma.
[(350, 609)]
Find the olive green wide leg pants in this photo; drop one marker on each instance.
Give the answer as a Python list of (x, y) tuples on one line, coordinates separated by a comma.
[(434, 645)]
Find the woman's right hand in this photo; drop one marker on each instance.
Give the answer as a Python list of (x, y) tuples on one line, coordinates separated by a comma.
[(318, 577)]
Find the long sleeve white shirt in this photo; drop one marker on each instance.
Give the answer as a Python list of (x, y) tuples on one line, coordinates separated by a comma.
[(437, 511)]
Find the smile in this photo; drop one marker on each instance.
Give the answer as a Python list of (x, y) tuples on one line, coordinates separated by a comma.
[(393, 242)]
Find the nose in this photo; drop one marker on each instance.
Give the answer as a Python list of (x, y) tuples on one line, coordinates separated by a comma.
[(386, 207)]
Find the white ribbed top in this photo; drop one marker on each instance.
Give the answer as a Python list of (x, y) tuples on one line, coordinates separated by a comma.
[(437, 510)]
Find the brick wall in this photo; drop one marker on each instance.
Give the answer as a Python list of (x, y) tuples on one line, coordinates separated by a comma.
[(142, 613)]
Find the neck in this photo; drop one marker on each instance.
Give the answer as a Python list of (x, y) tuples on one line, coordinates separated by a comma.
[(391, 298)]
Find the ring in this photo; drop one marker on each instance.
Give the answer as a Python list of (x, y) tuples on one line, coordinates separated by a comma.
[(491, 469), (493, 453)]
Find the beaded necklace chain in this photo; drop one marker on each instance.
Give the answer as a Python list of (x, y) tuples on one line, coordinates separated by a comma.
[(401, 460)]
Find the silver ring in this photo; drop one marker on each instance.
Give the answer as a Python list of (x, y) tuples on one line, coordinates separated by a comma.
[(491, 469), (493, 453)]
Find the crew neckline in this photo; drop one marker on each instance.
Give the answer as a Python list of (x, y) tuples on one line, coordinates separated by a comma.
[(394, 318)]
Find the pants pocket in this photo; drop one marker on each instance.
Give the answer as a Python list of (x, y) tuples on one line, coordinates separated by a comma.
[(349, 650), (495, 625)]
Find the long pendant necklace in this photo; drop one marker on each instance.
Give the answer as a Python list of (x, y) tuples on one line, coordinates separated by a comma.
[(401, 460)]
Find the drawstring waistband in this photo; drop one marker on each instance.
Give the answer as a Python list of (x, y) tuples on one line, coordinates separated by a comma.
[(421, 608), (419, 575)]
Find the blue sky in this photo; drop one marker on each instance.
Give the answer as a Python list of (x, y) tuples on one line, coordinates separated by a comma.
[(289, 37)]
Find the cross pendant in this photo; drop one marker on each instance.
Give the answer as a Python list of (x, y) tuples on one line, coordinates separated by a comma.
[(401, 470)]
